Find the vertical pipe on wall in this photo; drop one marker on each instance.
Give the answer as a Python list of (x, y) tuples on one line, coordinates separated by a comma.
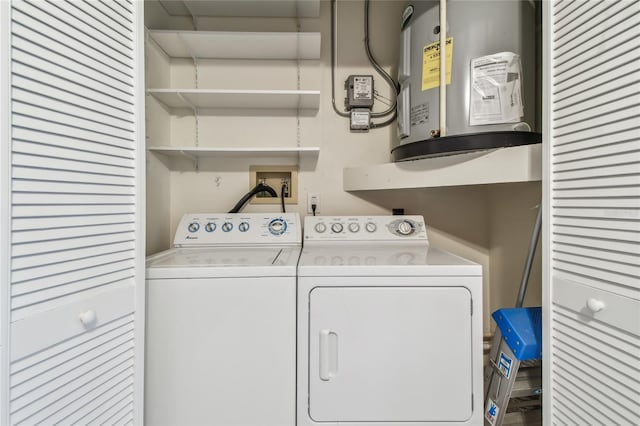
[(443, 67)]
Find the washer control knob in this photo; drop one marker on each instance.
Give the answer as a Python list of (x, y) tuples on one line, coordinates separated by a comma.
[(243, 227), (406, 228), (227, 226), (277, 226), (336, 228), (354, 227), (193, 227), (370, 227), (320, 227), (210, 227)]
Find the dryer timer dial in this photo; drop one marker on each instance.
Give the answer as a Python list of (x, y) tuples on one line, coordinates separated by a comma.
[(406, 227)]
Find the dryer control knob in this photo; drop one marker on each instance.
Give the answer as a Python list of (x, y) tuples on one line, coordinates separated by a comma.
[(210, 227), (336, 228), (370, 227), (193, 227), (277, 226), (243, 227), (320, 228), (227, 226), (406, 228), (354, 227)]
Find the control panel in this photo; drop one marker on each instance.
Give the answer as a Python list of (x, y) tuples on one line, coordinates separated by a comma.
[(364, 228), (238, 229)]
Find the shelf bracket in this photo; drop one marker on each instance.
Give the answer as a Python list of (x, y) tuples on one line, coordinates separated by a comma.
[(192, 157)]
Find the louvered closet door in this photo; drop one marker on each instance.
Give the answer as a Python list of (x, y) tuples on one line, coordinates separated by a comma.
[(592, 217), (77, 277)]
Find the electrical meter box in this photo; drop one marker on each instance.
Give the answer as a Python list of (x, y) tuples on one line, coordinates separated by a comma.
[(359, 91)]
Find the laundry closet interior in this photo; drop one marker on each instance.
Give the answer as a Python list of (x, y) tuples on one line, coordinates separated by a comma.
[(489, 223), (133, 129)]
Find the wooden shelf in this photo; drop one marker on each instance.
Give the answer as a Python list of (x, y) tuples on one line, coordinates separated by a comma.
[(514, 164), (245, 99), (258, 8), (200, 152), (237, 45)]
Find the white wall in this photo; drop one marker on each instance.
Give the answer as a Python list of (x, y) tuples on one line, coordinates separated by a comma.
[(488, 224)]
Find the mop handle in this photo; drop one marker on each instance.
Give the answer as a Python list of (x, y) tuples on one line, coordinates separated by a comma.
[(532, 251)]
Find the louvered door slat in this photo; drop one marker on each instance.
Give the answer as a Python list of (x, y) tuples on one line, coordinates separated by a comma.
[(589, 252), (116, 409), (585, 40), (565, 153), (29, 122), (24, 368), (70, 232), (27, 293), (626, 225), (70, 154), (74, 22), (92, 44), (110, 397), (567, 8), (569, 66), (600, 82), (79, 264), (597, 192), (115, 19), (73, 371), (86, 17), (592, 217), (36, 224), (66, 72), (75, 165), (70, 117), (75, 254), (604, 234), (29, 36), (120, 128), (70, 210), (22, 135), (597, 113), (77, 157), (39, 247), (69, 176), (70, 188), (99, 111)]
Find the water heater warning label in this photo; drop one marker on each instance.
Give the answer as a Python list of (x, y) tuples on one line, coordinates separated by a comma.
[(496, 89), (431, 64), (419, 114)]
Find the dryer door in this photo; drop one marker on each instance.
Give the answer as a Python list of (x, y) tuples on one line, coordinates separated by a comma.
[(390, 354)]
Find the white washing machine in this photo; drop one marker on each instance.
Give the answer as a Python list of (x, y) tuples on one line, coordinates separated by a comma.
[(221, 322), (389, 328)]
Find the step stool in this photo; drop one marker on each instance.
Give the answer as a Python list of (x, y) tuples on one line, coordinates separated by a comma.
[(513, 378)]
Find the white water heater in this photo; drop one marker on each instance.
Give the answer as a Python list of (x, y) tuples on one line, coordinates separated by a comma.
[(491, 92)]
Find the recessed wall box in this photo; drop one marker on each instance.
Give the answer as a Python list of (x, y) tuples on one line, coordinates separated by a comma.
[(275, 177)]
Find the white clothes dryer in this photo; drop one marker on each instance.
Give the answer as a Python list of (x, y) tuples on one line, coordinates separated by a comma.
[(221, 322), (389, 328)]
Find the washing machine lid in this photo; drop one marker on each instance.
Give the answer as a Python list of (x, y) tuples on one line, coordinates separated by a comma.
[(385, 260), (221, 262)]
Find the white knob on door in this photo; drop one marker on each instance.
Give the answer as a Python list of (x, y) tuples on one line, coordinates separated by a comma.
[(595, 305), (87, 318)]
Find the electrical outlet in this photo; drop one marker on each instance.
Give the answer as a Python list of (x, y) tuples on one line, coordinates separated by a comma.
[(313, 198)]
